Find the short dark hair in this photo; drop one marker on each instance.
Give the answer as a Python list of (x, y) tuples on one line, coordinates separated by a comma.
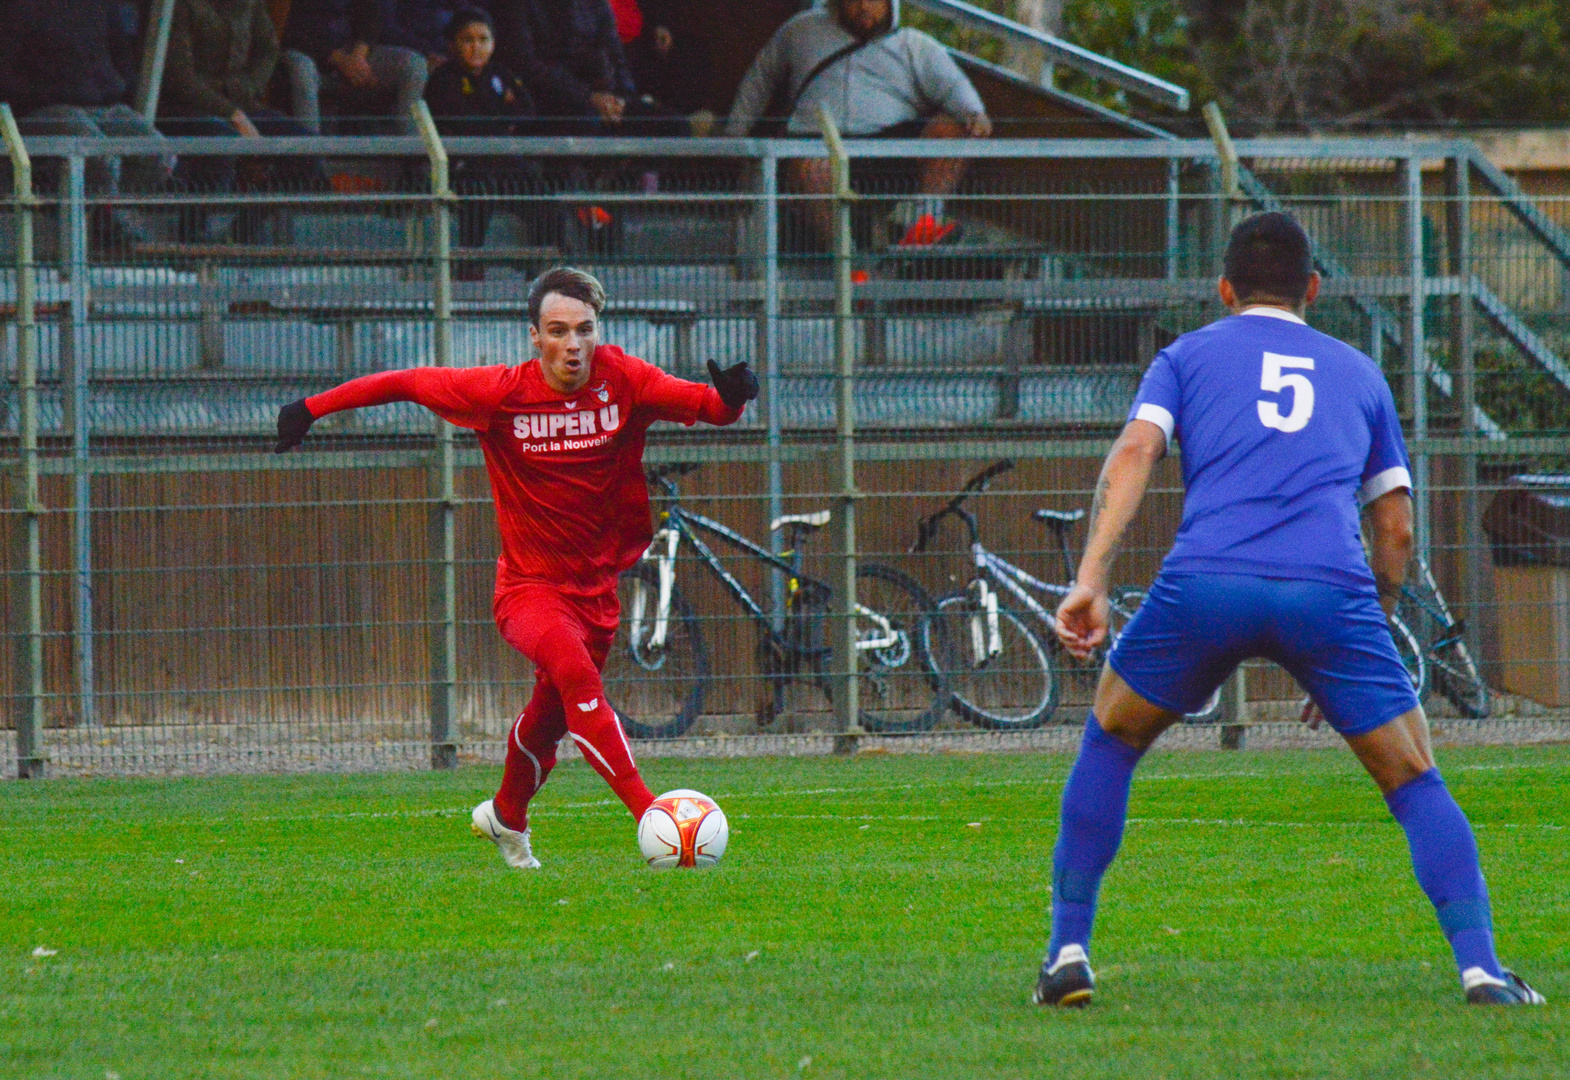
[(468, 17), (1268, 258), (568, 281)]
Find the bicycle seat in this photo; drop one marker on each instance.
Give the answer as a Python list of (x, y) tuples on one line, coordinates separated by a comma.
[(806, 521), (1058, 518)]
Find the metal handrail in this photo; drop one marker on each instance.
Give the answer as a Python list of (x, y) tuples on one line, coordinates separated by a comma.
[(1062, 52), (1348, 148)]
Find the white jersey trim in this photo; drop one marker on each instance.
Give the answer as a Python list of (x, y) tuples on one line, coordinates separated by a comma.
[(1383, 483), (1273, 313), (1158, 416)]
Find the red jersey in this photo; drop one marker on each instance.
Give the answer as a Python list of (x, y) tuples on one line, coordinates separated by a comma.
[(566, 469)]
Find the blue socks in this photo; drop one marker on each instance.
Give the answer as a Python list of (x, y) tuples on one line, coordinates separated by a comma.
[(1095, 804), (1444, 856)]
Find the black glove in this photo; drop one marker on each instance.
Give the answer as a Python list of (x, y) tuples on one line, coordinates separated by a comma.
[(737, 384), (294, 420)]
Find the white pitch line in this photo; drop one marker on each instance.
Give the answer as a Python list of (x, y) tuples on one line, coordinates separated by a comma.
[(912, 786)]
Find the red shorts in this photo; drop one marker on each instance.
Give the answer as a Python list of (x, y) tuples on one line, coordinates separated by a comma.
[(525, 613)]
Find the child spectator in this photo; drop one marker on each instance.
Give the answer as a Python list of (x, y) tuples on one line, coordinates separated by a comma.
[(473, 93)]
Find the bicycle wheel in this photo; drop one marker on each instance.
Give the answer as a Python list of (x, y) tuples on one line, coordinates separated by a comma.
[(1411, 654), (1456, 677), (656, 689), (1124, 603), (1013, 688), (897, 692)]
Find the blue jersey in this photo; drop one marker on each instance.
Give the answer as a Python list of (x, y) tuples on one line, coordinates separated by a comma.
[(1284, 432)]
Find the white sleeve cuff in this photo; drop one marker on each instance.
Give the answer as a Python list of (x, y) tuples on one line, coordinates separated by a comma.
[(1158, 416), (1383, 483)]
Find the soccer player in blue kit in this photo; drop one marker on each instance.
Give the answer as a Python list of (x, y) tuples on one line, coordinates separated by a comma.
[(1285, 433)]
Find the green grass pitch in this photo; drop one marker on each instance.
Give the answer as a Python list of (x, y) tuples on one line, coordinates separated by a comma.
[(878, 916)]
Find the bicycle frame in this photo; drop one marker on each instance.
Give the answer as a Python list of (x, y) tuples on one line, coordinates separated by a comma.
[(680, 523)]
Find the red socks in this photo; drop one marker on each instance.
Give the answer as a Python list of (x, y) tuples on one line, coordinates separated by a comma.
[(569, 698)]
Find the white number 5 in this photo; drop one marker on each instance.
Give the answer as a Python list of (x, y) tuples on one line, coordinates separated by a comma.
[(1272, 381)]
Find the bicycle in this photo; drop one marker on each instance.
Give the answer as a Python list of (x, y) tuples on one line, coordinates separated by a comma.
[(1002, 672), (1440, 646), (662, 635)]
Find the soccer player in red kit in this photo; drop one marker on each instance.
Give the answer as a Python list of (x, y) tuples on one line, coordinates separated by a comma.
[(563, 439)]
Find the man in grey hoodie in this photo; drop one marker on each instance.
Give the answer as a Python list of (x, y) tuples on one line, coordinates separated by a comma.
[(877, 80)]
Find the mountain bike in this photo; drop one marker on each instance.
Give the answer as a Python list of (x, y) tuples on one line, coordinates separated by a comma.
[(1001, 661), (658, 672)]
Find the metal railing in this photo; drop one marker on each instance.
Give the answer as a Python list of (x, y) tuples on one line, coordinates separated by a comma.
[(187, 599)]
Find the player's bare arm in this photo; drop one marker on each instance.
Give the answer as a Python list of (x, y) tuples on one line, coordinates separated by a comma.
[(1082, 616), (1390, 543)]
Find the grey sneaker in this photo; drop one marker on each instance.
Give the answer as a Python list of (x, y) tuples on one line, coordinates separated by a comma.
[(1483, 989), (1066, 982), (514, 845)]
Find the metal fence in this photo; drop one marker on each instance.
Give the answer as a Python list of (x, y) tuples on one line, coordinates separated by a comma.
[(180, 599)]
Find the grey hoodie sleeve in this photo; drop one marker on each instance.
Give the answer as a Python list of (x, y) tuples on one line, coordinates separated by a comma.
[(939, 79), (768, 72)]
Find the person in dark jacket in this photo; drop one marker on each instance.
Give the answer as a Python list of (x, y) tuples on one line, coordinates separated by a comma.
[(361, 74), (473, 93), (669, 63), (67, 69), (571, 55), (223, 55), (424, 26)]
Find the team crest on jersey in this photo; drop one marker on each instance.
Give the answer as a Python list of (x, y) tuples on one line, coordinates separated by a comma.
[(602, 392)]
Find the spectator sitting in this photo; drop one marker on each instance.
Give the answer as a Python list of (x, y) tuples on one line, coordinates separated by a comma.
[(877, 80), (668, 64), (360, 75), (67, 70), (571, 53), (473, 94), (222, 57)]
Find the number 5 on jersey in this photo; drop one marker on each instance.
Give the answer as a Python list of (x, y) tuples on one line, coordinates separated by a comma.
[(1273, 380)]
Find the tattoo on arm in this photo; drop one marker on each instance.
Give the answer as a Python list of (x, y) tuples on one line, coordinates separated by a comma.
[(1097, 506)]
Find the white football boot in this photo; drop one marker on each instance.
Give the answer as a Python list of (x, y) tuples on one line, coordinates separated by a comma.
[(514, 845)]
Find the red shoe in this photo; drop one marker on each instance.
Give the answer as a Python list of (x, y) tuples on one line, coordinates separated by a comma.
[(594, 217), (926, 231)]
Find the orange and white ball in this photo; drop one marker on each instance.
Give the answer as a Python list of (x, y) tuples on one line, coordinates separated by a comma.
[(683, 828)]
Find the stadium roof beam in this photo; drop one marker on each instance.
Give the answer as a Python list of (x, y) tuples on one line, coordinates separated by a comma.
[(1062, 52)]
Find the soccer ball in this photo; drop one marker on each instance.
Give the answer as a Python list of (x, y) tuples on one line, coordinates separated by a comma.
[(683, 828)]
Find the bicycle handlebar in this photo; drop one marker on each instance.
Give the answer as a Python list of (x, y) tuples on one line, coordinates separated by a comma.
[(662, 474), (928, 525)]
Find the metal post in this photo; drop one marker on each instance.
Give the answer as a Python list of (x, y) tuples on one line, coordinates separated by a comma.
[(1417, 349), (771, 371), (1459, 224), (30, 757), (443, 526), (155, 48), (1228, 191), (1174, 177), (77, 361), (842, 637)]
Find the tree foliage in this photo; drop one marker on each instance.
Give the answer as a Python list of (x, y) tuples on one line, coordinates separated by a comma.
[(1284, 64), (1346, 63)]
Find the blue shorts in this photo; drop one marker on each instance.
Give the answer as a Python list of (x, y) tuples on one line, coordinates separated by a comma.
[(1192, 630)]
